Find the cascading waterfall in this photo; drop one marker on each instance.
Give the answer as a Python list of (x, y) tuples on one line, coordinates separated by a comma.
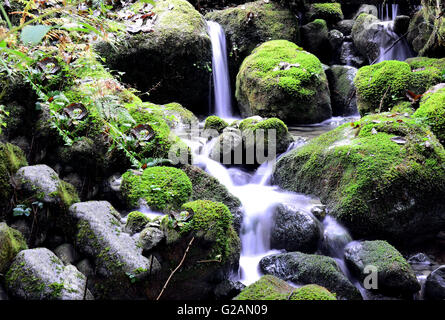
[(391, 47), (221, 80)]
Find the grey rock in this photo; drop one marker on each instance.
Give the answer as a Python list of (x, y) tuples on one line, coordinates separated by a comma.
[(37, 274), (66, 253), (401, 24), (294, 230), (150, 237), (39, 178), (315, 38), (435, 284), (85, 267), (336, 39), (228, 148), (350, 56), (342, 88), (3, 294), (366, 8), (228, 289), (345, 26)]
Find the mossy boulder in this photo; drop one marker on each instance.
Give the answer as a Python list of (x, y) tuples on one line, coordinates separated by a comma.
[(394, 274), (419, 30), (11, 159), (382, 85), (367, 34), (11, 243), (177, 52), (315, 39), (161, 188), (432, 112), (250, 24), (136, 222), (281, 80), (382, 176), (175, 115), (206, 187), (215, 123), (304, 268), (312, 292), (342, 88), (426, 72), (212, 256), (330, 12), (266, 288), (37, 274)]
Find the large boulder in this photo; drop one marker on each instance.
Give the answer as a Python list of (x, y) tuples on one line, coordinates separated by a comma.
[(394, 275), (175, 48), (330, 12), (310, 269), (426, 72), (382, 176), (11, 243), (37, 274), (120, 265), (367, 34), (435, 284), (419, 31), (342, 88), (315, 39), (160, 188), (281, 80), (294, 230), (250, 24)]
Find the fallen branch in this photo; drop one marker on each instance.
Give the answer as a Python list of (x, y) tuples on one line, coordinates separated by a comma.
[(383, 99), (176, 269)]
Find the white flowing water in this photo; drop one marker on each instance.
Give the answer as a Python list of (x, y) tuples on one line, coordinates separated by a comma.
[(220, 68), (391, 47)]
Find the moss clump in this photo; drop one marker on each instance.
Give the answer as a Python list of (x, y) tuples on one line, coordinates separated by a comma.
[(67, 194), (212, 222), (426, 72), (432, 112), (280, 79), (174, 114), (381, 86), (136, 221), (363, 169), (215, 123), (331, 12), (11, 243), (162, 188), (312, 292), (267, 288)]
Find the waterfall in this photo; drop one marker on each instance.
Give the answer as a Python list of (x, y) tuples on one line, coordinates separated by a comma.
[(221, 79), (391, 48)]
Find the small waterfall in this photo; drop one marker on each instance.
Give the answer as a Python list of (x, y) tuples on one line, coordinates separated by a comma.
[(221, 79), (391, 47)]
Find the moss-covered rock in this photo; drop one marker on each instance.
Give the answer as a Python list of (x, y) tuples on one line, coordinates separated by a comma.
[(394, 274), (342, 88), (312, 292), (11, 243), (381, 86), (212, 255), (266, 288), (175, 115), (215, 123), (136, 222), (315, 39), (281, 80), (162, 188), (177, 54), (426, 72), (310, 269), (11, 159), (367, 36), (419, 30), (382, 176), (330, 12), (432, 112), (248, 25)]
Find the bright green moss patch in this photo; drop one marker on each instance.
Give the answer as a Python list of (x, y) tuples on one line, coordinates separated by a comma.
[(267, 288), (312, 292), (162, 188), (427, 72), (211, 221), (381, 86), (215, 123), (432, 112), (136, 221), (331, 12), (11, 243)]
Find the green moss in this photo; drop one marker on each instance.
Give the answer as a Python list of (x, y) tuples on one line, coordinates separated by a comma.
[(11, 243), (403, 107), (215, 123), (383, 256), (432, 112), (312, 292), (163, 188), (67, 193), (330, 12), (136, 221), (267, 288), (427, 72), (212, 221), (381, 86)]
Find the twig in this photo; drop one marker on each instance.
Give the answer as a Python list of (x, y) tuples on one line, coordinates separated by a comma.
[(390, 47), (383, 99), (86, 289), (176, 269), (290, 295)]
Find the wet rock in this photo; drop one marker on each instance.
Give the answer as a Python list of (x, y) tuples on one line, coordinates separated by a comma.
[(310, 269), (85, 267), (419, 31), (345, 27), (368, 9), (435, 284), (267, 287), (228, 289), (66, 253), (335, 39), (330, 12), (395, 276), (401, 24), (315, 39), (3, 294), (150, 237), (37, 274), (228, 148), (136, 222), (342, 88), (11, 243), (350, 56), (294, 230), (367, 35)]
